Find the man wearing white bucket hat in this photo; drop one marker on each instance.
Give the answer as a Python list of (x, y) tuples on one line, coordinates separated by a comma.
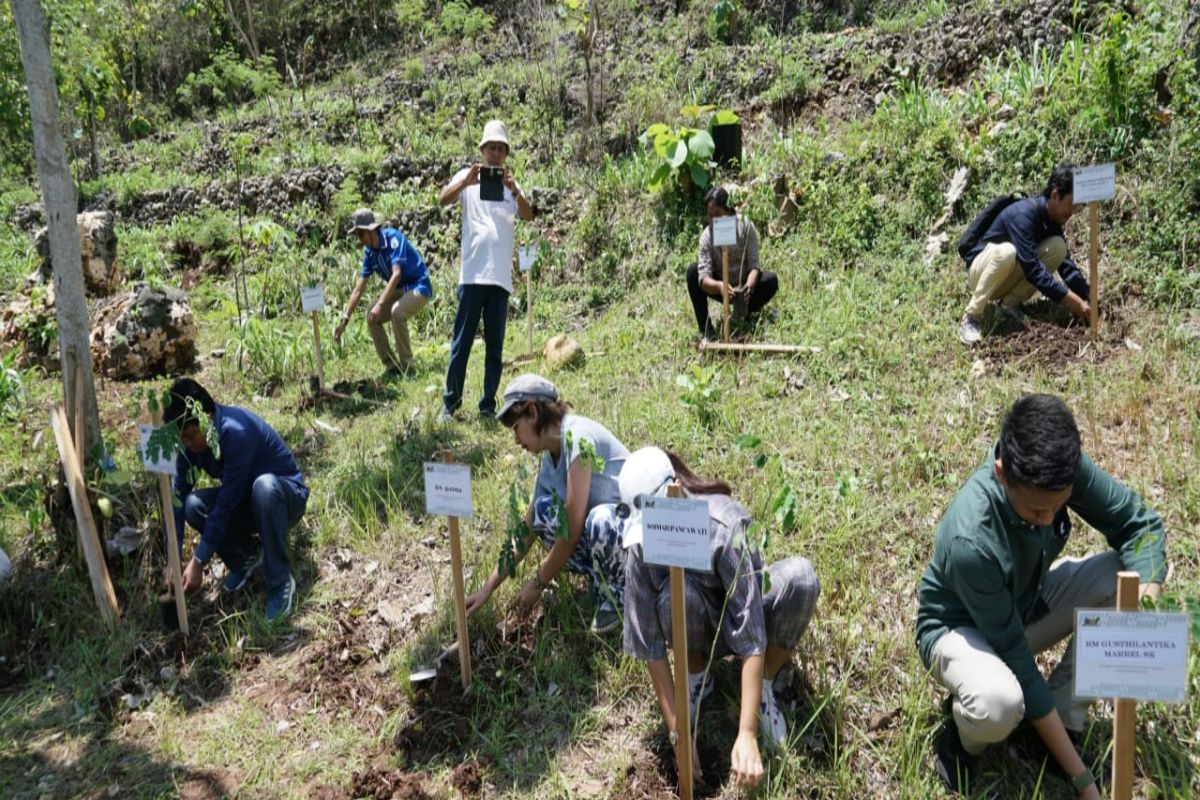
[(727, 603), (485, 276)]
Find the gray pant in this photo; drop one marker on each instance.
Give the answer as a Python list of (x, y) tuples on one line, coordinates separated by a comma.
[(988, 701)]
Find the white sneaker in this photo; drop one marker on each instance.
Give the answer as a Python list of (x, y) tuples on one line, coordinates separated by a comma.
[(969, 331), (771, 723)]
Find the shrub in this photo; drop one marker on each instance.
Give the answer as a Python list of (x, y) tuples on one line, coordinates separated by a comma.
[(228, 79)]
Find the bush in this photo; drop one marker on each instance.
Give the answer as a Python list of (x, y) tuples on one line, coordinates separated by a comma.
[(459, 19), (227, 80)]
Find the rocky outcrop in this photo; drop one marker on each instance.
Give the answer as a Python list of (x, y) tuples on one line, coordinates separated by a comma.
[(28, 326), (102, 275), (144, 332)]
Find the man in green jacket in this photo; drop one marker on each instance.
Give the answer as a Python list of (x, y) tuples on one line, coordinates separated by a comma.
[(996, 592)]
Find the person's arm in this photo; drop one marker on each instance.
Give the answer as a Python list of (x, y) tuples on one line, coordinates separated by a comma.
[(476, 600), (579, 483), (351, 304), (524, 209), (704, 265), (980, 584), (1054, 735), (1072, 276), (454, 189), (750, 254), (745, 761), (1130, 526), (182, 486), (237, 458)]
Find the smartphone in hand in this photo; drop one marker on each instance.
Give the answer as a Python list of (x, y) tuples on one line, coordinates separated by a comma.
[(491, 183)]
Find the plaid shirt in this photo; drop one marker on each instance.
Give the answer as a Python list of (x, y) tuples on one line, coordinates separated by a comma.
[(735, 574)]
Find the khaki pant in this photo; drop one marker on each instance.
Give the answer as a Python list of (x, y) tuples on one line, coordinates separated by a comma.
[(403, 307), (988, 701), (995, 275)]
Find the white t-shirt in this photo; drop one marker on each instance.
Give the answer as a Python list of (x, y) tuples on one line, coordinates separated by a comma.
[(487, 236)]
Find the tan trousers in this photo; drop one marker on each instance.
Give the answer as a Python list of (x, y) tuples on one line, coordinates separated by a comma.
[(995, 275), (407, 305), (988, 701)]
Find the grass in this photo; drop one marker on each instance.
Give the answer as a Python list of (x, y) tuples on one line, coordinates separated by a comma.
[(873, 434)]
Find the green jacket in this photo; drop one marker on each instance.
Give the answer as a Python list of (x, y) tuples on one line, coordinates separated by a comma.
[(988, 565)]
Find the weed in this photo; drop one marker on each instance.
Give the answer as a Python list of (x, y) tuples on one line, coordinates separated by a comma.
[(701, 392)]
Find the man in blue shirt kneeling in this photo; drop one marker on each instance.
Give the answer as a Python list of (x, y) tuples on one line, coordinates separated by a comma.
[(261, 491), (388, 254)]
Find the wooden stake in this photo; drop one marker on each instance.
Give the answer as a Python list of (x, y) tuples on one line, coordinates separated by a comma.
[(529, 306), (460, 598), (102, 589), (317, 352), (1125, 717), (1094, 270), (173, 558), (683, 712), (732, 347), (724, 294)]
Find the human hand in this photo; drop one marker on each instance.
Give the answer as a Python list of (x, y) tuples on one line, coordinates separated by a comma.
[(527, 598), (472, 176), (1077, 306), (1150, 590), (476, 600), (510, 182), (338, 331), (375, 313), (745, 762), (193, 576)]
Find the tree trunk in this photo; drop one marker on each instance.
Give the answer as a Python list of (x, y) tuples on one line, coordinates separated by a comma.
[(254, 51), (58, 195)]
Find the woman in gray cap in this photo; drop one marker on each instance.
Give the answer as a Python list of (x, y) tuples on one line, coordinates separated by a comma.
[(574, 501)]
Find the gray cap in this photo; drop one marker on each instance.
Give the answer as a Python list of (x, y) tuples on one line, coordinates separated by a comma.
[(364, 220), (524, 388)]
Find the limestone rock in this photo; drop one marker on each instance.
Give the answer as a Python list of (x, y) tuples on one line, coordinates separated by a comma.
[(562, 352), (102, 274), (28, 321), (146, 331)]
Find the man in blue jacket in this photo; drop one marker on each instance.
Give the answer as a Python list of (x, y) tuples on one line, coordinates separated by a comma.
[(388, 254), (261, 491), (1019, 255)]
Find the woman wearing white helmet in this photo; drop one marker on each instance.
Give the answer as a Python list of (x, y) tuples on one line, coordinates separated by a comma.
[(762, 628), (574, 502)]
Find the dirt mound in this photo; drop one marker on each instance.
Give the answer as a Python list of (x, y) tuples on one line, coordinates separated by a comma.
[(381, 781), (1051, 337), (467, 777)]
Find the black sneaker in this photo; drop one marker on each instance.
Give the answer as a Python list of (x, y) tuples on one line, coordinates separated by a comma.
[(953, 763)]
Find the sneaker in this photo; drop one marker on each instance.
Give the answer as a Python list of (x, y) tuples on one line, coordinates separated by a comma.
[(969, 331), (953, 763), (771, 723), (235, 580), (605, 619), (279, 601), (445, 415)]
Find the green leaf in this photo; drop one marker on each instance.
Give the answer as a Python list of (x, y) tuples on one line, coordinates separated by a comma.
[(725, 117), (677, 154), (655, 130), (701, 144), (663, 142), (747, 441), (659, 177), (760, 461), (700, 176)]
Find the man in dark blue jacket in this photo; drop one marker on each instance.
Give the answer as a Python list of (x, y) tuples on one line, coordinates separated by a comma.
[(261, 491), (1019, 255)]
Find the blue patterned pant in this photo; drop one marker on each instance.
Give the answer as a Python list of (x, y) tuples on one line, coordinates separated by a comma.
[(598, 554)]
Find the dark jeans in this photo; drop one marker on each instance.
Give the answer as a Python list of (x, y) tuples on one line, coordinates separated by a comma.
[(475, 301), (766, 288), (272, 506)]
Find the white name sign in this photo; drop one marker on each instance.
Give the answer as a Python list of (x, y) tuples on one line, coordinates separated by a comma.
[(448, 490), (165, 464), (724, 231), (675, 533), (1131, 655), (312, 298), (1095, 183), (527, 256)]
